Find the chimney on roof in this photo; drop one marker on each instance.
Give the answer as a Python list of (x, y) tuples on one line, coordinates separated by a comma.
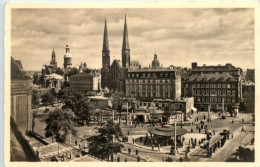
[(194, 65)]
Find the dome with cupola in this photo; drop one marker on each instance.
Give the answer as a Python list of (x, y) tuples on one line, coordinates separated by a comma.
[(155, 62)]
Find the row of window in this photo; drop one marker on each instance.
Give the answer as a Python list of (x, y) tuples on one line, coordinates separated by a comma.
[(213, 85), (215, 92), (82, 88), (81, 79), (214, 72), (150, 75), (149, 88), (160, 95), (215, 99), (149, 81), (85, 83), (176, 105)]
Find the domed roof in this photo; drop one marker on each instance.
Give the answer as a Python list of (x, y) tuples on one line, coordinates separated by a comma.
[(155, 62)]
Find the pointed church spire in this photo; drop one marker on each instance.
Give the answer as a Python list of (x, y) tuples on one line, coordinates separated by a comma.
[(105, 40), (125, 38)]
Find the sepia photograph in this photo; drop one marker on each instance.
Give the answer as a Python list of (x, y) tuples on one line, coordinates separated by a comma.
[(131, 84)]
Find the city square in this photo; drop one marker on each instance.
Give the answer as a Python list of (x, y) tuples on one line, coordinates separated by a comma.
[(151, 106)]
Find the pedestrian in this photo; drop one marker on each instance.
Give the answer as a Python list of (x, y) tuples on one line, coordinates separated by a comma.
[(204, 116), (118, 159), (147, 158), (199, 130), (206, 126), (186, 155), (76, 142), (128, 133), (252, 141), (232, 136), (159, 147), (152, 147), (129, 150), (192, 140), (232, 121), (242, 120), (136, 152), (242, 130), (125, 159), (138, 158), (180, 159), (214, 132), (133, 141)]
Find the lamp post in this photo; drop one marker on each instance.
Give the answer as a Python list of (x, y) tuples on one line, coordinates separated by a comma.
[(175, 152), (209, 112), (127, 113), (223, 108)]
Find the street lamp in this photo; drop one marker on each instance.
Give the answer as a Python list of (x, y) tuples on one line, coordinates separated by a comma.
[(174, 152)]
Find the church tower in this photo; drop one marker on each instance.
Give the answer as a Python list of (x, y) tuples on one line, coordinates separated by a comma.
[(67, 59), (125, 48), (105, 60), (53, 62), (105, 50)]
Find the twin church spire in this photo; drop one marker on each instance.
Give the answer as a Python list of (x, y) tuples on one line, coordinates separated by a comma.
[(125, 48)]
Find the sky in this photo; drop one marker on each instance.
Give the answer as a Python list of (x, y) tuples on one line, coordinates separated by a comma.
[(179, 36)]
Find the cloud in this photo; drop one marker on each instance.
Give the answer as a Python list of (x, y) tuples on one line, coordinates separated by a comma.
[(179, 36)]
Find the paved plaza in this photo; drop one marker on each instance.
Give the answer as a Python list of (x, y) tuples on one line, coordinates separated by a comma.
[(217, 125)]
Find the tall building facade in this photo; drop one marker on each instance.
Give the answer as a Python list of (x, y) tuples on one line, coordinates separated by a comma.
[(217, 86), (84, 82), (154, 83), (21, 97), (105, 60)]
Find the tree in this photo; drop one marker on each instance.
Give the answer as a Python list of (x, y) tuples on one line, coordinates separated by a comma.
[(34, 115), (35, 99), (59, 71), (245, 154), (106, 143), (60, 123), (168, 112), (117, 101), (133, 104), (73, 71), (47, 99), (83, 108), (65, 96)]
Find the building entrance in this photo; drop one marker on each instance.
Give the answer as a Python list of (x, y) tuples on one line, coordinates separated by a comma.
[(140, 118)]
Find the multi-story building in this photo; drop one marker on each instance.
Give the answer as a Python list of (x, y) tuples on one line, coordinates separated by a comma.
[(212, 89), (219, 86), (219, 69), (153, 82), (21, 97), (85, 82)]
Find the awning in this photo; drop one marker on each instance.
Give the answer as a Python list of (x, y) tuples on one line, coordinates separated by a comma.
[(167, 131), (194, 109)]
